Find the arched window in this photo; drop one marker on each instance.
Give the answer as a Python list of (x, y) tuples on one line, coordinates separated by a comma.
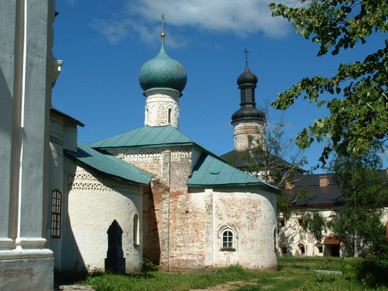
[(169, 115), (275, 244), (250, 142), (228, 239), (283, 249), (136, 230), (56, 213), (319, 247), (301, 248)]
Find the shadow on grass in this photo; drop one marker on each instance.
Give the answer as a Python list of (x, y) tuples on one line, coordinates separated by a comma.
[(69, 278), (76, 277), (73, 278)]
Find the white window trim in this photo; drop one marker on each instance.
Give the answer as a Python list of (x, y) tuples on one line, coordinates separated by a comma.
[(234, 239)]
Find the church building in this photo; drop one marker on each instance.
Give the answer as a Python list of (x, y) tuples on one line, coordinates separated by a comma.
[(149, 193), (177, 204)]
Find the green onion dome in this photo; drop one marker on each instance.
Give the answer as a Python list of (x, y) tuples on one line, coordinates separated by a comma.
[(163, 72)]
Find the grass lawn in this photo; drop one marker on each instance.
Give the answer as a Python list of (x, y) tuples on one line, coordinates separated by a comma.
[(293, 274)]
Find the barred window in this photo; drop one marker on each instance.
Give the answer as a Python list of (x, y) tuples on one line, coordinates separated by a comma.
[(56, 212)]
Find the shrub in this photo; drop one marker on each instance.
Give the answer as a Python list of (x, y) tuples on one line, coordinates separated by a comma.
[(149, 266)]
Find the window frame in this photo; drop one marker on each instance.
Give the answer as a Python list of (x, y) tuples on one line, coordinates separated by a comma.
[(228, 239), (56, 214)]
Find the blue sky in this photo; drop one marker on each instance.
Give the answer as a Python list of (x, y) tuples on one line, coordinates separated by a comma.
[(104, 45)]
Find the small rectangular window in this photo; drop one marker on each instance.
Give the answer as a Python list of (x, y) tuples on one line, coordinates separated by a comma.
[(136, 230), (56, 213)]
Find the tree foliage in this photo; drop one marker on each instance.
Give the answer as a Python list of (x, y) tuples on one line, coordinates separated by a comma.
[(364, 192), (358, 119), (315, 223), (266, 159)]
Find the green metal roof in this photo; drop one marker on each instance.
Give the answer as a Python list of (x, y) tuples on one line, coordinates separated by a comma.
[(210, 171), (108, 164), (146, 136)]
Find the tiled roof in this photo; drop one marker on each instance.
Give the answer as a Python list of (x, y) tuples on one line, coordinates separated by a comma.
[(146, 136), (320, 196), (108, 164), (238, 160), (329, 195), (211, 171)]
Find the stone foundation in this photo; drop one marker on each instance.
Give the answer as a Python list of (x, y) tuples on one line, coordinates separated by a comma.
[(26, 270)]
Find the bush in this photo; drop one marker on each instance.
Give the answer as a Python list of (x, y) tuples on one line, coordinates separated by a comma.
[(149, 266), (374, 272), (370, 271)]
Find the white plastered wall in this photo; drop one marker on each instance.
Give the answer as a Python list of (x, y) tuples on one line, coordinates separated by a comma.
[(93, 203), (252, 215)]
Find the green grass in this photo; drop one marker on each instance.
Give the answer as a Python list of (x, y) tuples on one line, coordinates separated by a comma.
[(293, 274)]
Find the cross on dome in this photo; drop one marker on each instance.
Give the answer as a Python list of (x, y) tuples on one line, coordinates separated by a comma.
[(246, 55), (163, 33)]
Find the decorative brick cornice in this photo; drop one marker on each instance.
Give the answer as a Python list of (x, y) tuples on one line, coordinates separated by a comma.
[(83, 181)]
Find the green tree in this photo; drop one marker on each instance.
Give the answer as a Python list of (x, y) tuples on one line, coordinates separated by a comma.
[(266, 159), (315, 223), (358, 119), (364, 193)]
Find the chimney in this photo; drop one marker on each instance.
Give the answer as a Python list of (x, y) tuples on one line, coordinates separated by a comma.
[(323, 181)]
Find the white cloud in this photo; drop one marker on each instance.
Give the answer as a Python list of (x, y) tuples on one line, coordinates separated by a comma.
[(241, 17), (238, 17), (114, 31)]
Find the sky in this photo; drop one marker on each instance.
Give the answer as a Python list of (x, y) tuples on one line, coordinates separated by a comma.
[(104, 45)]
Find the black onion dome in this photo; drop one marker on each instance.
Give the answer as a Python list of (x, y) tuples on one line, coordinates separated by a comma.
[(248, 112), (247, 77)]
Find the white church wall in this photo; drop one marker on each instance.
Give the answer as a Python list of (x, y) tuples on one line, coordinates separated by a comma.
[(70, 136), (55, 182), (93, 204), (25, 93), (251, 217)]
